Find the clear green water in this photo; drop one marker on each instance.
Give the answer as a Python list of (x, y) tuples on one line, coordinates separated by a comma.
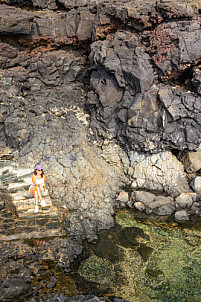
[(145, 261)]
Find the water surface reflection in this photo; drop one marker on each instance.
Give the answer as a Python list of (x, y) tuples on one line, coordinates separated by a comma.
[(140, 260)]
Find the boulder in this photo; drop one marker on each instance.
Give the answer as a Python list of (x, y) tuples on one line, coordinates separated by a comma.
[(196, 184), (161, 172), (165, 210), (181, 216), (192, 161), (143, 197), (123, 197), (139, 206), (184, 200), (161, 206), (196, 208)]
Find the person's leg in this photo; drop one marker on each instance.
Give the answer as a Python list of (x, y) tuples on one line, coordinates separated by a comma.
[(34, 192), (36, 197), (39, 193), (42, 202)]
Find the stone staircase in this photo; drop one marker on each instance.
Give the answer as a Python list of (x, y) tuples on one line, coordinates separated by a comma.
[(25, 224)]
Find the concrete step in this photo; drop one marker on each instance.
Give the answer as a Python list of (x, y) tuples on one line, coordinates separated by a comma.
[(29, 202), (23, 173), (7, 163), (33, 235), (23, 183), (49, 212), (25, 195)]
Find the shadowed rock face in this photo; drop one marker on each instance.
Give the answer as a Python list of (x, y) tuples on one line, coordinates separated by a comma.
[(144, 64), (138, 100), (14, 21)]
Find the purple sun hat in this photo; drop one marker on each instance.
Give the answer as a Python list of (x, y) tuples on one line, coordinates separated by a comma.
[(38, 167)]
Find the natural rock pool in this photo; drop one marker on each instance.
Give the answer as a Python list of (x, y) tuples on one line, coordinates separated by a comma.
[(141, 260)]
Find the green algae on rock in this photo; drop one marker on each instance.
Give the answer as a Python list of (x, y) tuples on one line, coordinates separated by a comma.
[(96, 270), (155, 261), (172, 270)]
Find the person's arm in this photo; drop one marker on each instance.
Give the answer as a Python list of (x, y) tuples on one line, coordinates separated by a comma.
[(34, 181), (44, 182)]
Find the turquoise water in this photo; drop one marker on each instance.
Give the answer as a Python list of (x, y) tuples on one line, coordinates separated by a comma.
[(144, 261)]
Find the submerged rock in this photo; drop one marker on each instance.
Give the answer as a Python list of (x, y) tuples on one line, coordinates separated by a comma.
[(96, 270), (13, 289)]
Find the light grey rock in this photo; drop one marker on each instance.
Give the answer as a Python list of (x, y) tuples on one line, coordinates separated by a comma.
[(192, 161), (139, 206), (123, 197), (181, 216), (167, 209), (161, 200), (161, 206), (184, 200), (196, 208), (144, 197), (196, 184), (161, 172)]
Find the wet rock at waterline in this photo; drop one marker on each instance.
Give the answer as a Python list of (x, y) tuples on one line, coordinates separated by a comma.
[(181, 216), (166, 206), (148, 202)]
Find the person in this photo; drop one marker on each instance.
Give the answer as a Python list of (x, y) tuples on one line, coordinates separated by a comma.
[(38, 186)]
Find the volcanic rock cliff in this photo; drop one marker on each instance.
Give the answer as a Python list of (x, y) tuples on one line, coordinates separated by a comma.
[(105, 95)]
